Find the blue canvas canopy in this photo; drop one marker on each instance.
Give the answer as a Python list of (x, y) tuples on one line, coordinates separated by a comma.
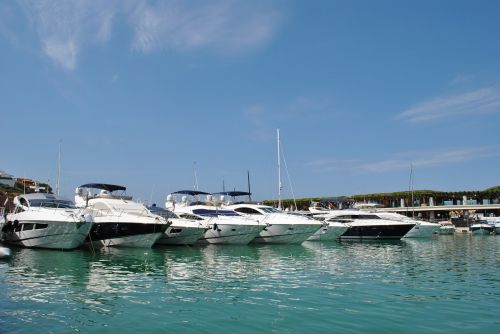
[(234, 193), (191, 192), (104, 186)]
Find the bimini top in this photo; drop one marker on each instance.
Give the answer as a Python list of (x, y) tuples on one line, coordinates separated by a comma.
[(234, 193), (104, 186), (191, 192)]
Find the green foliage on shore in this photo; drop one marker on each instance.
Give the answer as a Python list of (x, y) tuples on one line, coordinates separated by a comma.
[(303, 203)]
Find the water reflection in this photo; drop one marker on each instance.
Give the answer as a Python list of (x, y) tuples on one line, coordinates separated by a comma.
[(254, 288)]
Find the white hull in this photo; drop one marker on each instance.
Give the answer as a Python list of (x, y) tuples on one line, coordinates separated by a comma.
[(446, 230), (227, 233), (330, 232), (57, 235), (286, 233), (423, 230), (187, 235), (482, 229), (146, 240)]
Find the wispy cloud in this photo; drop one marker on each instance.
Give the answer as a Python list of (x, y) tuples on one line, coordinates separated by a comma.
[(485, 100), (66, 28), (222, 25), (402, 161)]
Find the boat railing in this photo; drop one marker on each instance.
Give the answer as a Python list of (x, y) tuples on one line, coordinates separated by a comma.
[(121, 212)]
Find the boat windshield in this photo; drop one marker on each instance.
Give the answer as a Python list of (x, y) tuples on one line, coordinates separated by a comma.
[(48, 203), (214, 213), (268, 209), (358, 217)]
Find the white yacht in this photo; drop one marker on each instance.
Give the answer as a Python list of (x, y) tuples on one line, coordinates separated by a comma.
[(224, 226), (118, 221), (482, 228), (45, 220), (447, 228), (280, 227), (365, 225), (422, 229), (182, 231)]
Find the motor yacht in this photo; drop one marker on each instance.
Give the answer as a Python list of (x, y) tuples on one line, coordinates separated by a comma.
[(118, 221), (43, 220), (447, 228), (482, 228), (224, 226), (280, 227), (365, 225), (182, 231), (422, 229)]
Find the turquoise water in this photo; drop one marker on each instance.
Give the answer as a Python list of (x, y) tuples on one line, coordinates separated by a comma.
[(442, 285)]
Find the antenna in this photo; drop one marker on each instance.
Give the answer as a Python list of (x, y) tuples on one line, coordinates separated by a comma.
[(248, 182), (223, 186), (195, 186), (410, 191), (58, 185), (412, 200), (279, 168)]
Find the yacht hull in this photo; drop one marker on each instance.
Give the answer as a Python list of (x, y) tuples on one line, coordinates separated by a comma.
[(329, 232), (376, 232), (227, 233), (423, 231), (286, 233), (186, 235), (446, 230), (482, 230), (118, 234), (47, 234)]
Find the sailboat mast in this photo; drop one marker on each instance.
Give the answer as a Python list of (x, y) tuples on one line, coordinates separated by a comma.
[(58, 185), (195, 186), (279, 169), (249, 192)]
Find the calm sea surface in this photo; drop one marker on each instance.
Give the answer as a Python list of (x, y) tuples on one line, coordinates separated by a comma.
[(442, 285)]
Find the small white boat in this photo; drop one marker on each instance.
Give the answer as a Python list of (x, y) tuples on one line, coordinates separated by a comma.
[(447, 228), (482, 228), (44, 220)]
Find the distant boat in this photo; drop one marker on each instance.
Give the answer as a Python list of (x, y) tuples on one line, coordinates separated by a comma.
[(422, 229), (46, 221), (447, 228), (482, 228), (365, 225)]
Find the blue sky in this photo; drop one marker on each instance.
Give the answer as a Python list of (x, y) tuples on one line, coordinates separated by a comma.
[(136, 91)]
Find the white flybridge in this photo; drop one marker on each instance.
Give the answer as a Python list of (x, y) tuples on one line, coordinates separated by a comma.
[(46, 221), (280, 227), (182, 231), (118, 221), (224, 226)]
